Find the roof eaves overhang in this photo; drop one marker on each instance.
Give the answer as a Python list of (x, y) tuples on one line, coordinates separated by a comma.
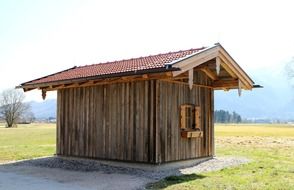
[(216, 51), (226, 57), (191, 55), (106, 76)]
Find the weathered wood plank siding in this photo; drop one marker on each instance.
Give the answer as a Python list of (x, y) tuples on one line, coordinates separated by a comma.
[(108, 121), (133, 121), (172, 146)]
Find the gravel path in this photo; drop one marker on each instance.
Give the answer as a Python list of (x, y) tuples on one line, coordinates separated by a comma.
[(215, 164), (87, 165), (59, 173)]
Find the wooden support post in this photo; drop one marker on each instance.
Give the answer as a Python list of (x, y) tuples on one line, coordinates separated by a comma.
[(239, 87), (191, 79), (43, 94), (217, 65)]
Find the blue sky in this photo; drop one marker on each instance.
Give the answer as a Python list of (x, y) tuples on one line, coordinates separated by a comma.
[(41, 37)]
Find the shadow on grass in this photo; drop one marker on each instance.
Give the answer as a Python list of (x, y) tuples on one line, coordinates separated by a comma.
[(172, 180)]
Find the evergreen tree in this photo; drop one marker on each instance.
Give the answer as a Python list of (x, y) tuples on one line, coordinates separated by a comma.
[(222, 116)]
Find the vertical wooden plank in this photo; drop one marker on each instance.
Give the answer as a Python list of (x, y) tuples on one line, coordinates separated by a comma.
[(88, 149), (77, 119), (96, 116), (181, 142), (107, 121), (63, 128), (85, 122), (133, 121), (104, 129), (128, 123), (114, 118), (154, 123), (169, 126), (58, 123), (113, 115), (163, 121), (193, 140), (175, 121), (146, 119), (92, 123), (141, 110), (151, 121), (158, 123), (65, 136), (121, 125), (101, 122), (212, 124)]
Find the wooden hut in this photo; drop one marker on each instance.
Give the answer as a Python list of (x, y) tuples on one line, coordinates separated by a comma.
[(153, 109)]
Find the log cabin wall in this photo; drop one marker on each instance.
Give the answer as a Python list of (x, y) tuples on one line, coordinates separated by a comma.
[(170, 145), (133, 121), (113, 121)]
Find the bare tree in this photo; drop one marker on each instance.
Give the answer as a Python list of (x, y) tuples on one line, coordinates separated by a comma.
[(12, 106), (27, 118)]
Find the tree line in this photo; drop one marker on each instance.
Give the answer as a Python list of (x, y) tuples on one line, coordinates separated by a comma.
[(222, 116)]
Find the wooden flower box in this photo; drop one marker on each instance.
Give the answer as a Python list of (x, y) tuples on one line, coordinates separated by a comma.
[(191, 134)]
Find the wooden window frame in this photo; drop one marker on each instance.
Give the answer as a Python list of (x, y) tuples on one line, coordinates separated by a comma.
[(190, 123)]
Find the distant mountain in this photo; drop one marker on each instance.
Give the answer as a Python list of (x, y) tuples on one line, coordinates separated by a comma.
[(274, 101), (44, 109)]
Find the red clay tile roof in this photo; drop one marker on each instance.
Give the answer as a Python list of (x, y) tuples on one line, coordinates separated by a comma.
[(124, 66)]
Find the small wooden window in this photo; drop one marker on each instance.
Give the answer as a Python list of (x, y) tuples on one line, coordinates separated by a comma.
[(190, 121)]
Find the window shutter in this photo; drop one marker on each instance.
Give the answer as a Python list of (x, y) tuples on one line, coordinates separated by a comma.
[(197, 117), (183, 117)]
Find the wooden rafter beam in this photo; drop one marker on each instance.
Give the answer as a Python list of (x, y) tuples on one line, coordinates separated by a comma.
[(209, 73), (169, 74), (72, 85), (194, 64), (195, 61), (28, 89), (186, 83), (225, 84), (227, 68), (108, 81), (235, 68)]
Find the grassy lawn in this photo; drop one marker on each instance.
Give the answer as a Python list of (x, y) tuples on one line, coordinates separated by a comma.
[(270, 147), (26, 141)]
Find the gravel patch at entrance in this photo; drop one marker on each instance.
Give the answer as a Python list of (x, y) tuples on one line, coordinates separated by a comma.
[(65, 173), (215, 164), (87, 165)]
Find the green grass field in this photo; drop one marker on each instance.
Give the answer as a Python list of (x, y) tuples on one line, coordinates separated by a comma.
[(27, 141), (270, 148)]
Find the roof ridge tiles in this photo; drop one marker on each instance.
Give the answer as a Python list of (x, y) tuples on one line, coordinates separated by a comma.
[(151, 62), (141, 57)]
